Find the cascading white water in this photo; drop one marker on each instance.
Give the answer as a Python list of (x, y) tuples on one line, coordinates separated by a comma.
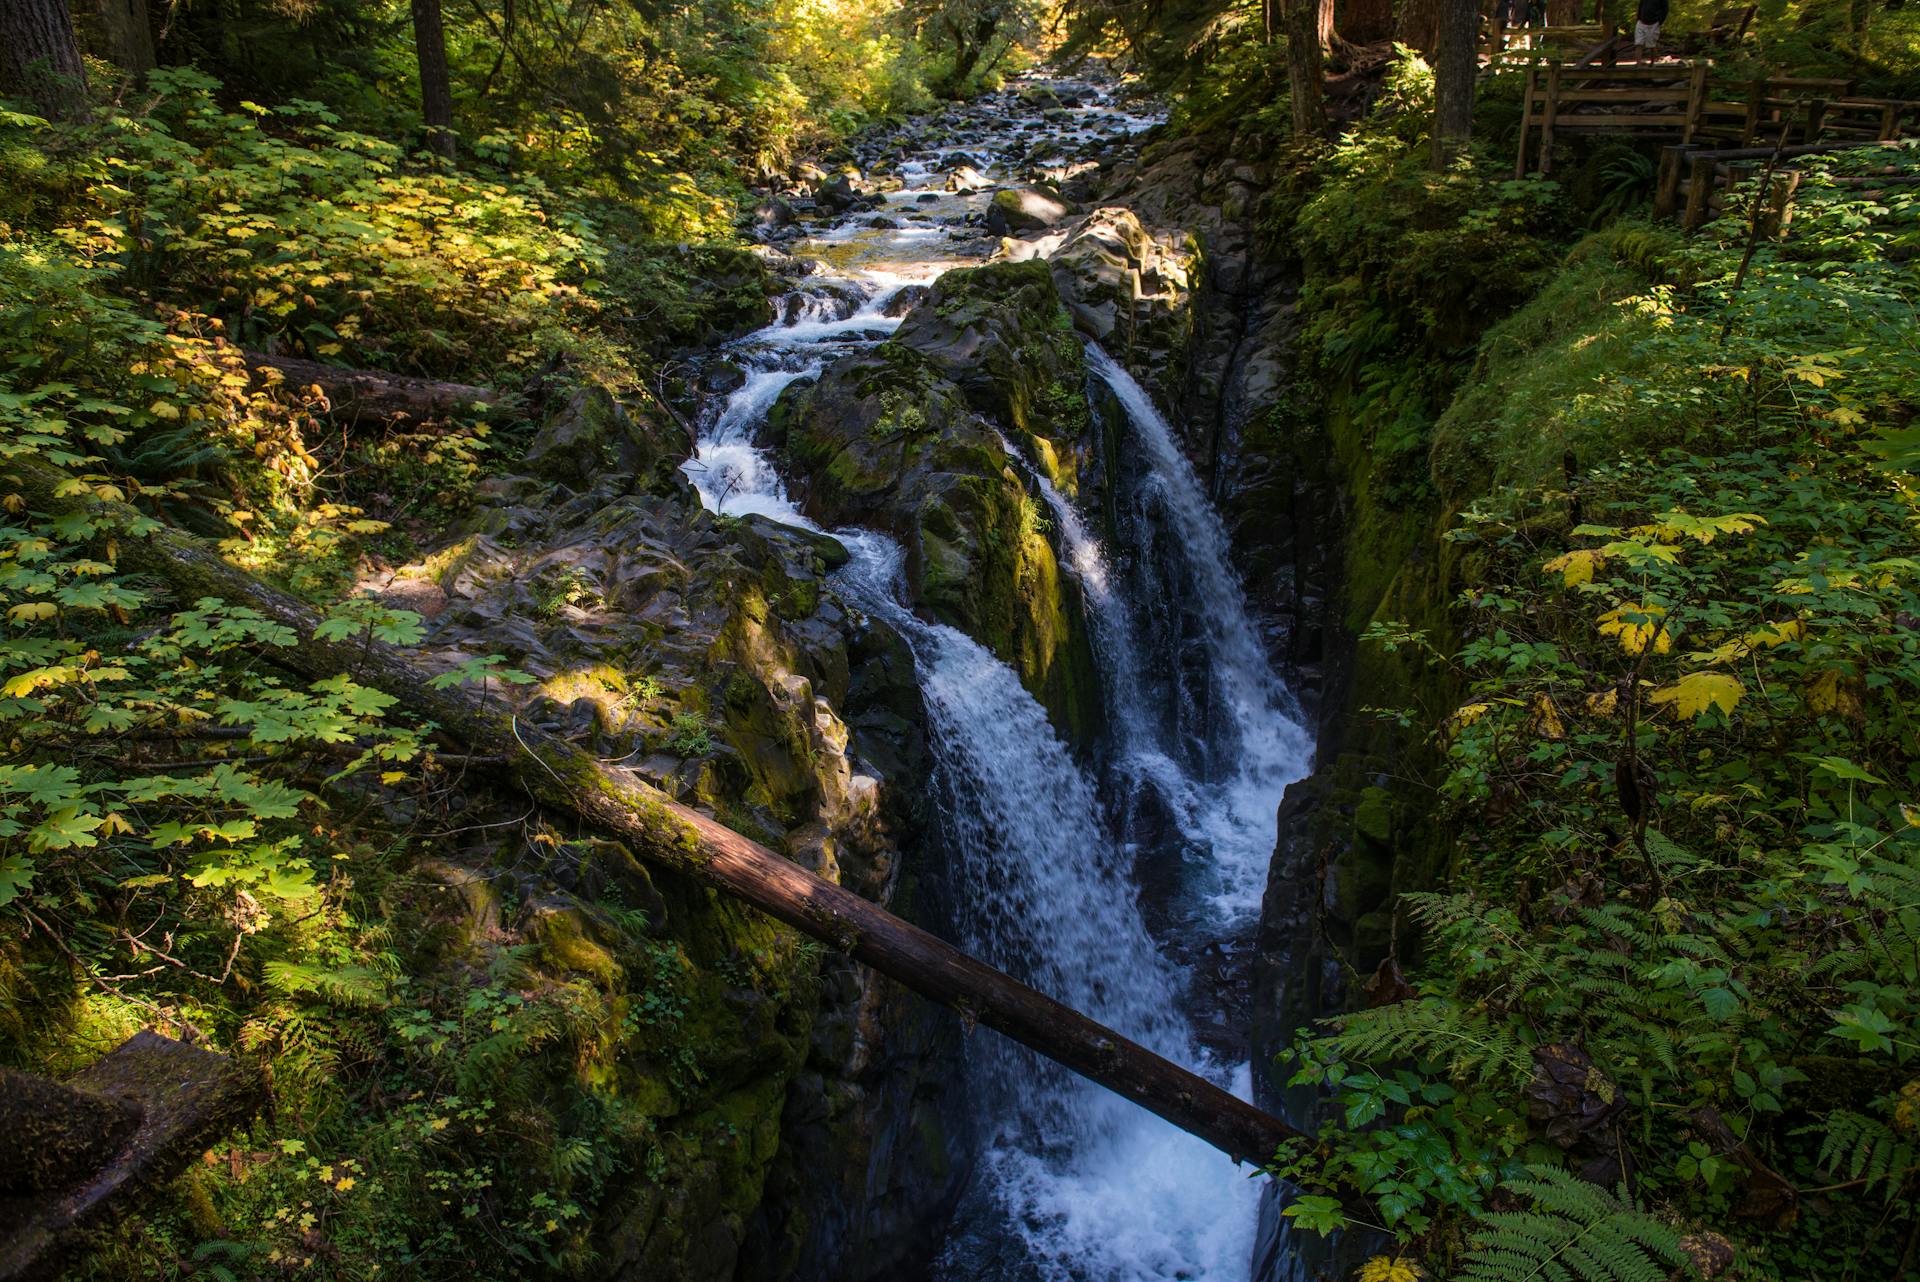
[(1092, 1186), (1076, 1185), (1225, 798)]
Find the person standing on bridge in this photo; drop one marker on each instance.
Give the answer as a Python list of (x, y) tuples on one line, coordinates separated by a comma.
[(1646, 29)]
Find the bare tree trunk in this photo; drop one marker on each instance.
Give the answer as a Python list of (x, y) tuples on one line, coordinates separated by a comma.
[(554, 772), (1419, 25), (1323, 26), (436, 88), (126, 38), (1456, 67), (40, 59), (1306, 87), (1364, 22)]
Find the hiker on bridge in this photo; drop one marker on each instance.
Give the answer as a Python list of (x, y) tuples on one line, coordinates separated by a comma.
[(1646, 29)]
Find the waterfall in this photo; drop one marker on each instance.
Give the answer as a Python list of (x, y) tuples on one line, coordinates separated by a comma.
[(1046, 859), (1234, 729), (1079, 1184)]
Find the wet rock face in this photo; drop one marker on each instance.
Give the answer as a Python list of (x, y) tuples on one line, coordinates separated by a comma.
[(711, 655), (908, 438), (1169, 274)]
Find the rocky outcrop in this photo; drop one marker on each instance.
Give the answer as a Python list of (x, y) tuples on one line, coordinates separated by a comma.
[(1169, 274), (594, 434), (909, 438), (768, 1088), (1127, 289)]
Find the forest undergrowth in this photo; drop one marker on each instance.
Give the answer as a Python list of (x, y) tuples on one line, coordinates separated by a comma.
[(1662, 1009)]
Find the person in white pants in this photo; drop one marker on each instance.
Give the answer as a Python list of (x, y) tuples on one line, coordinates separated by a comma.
[(1646, 29)]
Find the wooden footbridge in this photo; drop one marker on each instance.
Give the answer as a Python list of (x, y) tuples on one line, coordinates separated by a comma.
[(1678, 100), (1718, 132)]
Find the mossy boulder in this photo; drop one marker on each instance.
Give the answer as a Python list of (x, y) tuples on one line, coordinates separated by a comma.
[(595, 436), (886, 439), (1022, 209), (1001, 335)]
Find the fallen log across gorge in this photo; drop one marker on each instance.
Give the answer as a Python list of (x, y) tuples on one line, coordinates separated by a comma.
[(553, 772)]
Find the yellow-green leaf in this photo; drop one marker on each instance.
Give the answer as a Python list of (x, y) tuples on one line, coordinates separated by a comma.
[(1694, 693)]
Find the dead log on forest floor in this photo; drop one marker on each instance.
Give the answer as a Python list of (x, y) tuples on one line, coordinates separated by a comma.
[(367, 395), (74, 1156)]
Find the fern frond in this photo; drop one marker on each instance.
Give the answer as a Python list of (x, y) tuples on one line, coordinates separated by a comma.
[(1576, 1232), (1859, 1147), (1472, 1046), (355, 987)]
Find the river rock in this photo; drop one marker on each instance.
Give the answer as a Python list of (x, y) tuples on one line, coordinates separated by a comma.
[(967, 179), (905, 300), (1038, 98), (771, 213), (1020, 209), (837, 195)]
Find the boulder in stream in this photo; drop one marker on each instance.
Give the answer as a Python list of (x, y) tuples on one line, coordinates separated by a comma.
[(838, 195), (967, 179), (1018, 209)]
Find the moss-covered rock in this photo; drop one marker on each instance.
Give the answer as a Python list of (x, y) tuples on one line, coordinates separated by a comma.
[(1001, 334), (595, 436), (1021, 209), (705, 653), (908, 438)]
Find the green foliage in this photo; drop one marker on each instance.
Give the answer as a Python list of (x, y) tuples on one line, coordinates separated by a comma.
[(692, 736), (1468, 1046), (292, 229), (1577, 1232), (1857, 1147), (192, 839), (1387, 312), (665, 109), (1682, 771)]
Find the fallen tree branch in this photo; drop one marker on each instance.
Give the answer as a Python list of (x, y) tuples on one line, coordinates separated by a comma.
[(365, 394), (615, 800)]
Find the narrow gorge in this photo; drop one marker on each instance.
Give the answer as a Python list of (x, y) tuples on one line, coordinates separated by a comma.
[(959, 641), (1107, 734)]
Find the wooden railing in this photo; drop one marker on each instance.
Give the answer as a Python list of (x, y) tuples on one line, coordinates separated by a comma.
[(1659, 99), (1692, 182), (1674, 100)]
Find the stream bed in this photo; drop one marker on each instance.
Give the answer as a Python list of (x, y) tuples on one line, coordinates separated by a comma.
[(1050, 856)]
